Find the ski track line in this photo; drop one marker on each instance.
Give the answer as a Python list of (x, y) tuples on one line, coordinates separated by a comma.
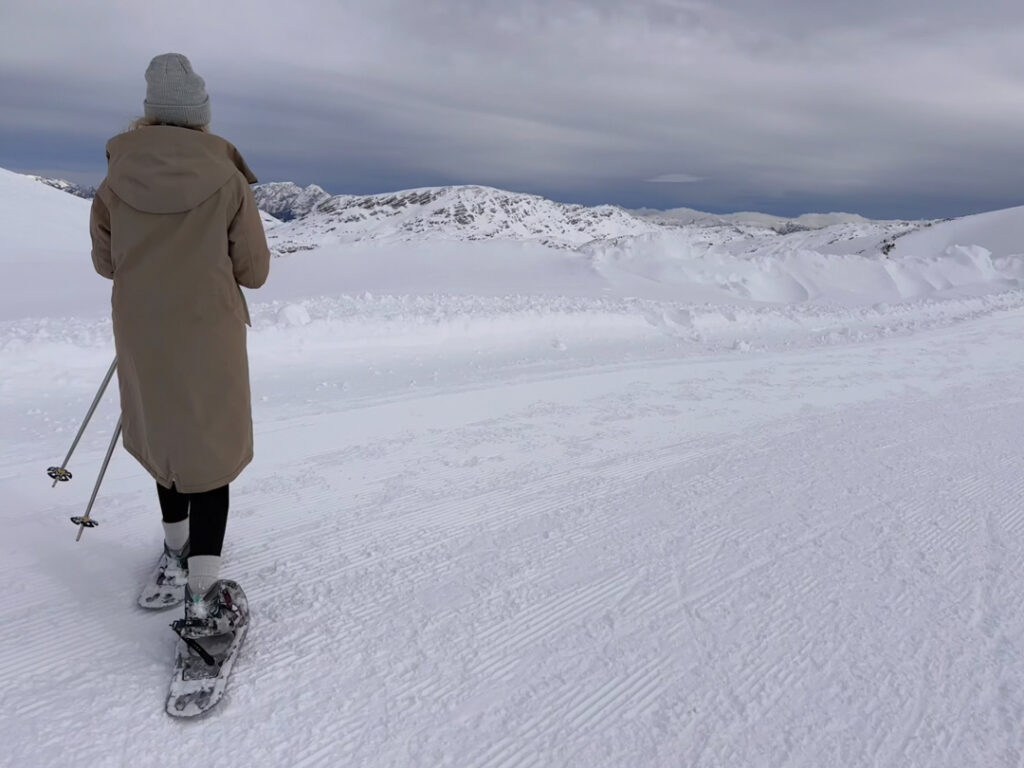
[(409, 513), (640, 469), (582, 714), (709, 593), (409, 517), (764, 679), (638, 697), (413, 499), (550, 613), (577, 369), (564, 608)]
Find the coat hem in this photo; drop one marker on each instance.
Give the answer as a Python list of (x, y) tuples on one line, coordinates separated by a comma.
[(187, 488)]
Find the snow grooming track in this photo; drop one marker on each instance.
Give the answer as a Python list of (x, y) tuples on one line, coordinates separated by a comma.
[(809, 558)]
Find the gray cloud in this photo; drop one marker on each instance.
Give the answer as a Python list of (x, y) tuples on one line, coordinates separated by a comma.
[(906, 111)]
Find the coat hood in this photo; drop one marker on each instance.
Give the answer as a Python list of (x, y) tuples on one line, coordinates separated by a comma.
[(166, 169)]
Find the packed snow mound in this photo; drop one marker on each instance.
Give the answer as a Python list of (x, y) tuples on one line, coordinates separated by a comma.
[(286, 201), (455, 213), (1000, 233), (683, 265), (44, 252)]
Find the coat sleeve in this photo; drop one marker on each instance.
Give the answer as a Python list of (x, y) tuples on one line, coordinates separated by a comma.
[(99, 229), (247, 244)]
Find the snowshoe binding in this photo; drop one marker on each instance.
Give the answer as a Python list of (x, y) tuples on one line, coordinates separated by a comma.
[(210, 635)]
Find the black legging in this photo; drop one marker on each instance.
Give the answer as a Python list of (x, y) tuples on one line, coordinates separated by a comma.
[(207, 515)]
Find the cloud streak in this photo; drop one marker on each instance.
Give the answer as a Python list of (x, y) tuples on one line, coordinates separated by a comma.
[(676, 178), (906, 111)]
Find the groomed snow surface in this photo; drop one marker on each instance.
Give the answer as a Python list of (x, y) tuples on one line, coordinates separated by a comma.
[(691, 497)]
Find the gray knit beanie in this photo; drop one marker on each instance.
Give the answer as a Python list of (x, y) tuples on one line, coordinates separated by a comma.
[(175, 94)]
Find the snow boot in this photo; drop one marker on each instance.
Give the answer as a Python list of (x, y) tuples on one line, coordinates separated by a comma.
[(166, 587), (222, 610)]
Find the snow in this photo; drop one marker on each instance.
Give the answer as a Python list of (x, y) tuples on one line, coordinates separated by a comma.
[(43, 255), (681, 496), (286, 200), (453, 213), (781, 224), (67, 186), (998, 232)]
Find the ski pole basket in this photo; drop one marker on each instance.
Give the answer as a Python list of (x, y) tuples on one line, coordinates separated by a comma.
[(58, 474)]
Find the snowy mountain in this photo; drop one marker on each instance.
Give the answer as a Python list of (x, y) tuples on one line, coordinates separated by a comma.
[(476, 213), (286, 201), (456, 213), (779, 224), (471, 213), (67, 186)]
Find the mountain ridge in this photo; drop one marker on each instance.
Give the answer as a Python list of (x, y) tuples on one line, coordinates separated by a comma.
[(287, 201)]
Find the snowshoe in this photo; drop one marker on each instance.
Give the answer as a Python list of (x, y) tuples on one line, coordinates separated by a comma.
[(166, 587), (211, 635)]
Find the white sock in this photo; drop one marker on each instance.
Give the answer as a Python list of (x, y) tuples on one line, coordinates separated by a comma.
[(176, 534), (203, 571)]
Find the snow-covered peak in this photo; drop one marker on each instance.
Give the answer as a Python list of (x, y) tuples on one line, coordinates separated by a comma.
[(70, 187), (457, 213), (285, 200)]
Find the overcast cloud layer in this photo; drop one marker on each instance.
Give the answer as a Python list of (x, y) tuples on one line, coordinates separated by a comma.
[(908, 109)]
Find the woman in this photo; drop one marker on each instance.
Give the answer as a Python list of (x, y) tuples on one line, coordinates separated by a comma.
[(175, 226)]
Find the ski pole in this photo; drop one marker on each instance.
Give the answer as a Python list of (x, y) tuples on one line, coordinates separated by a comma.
[(85, 521), (60, 474)]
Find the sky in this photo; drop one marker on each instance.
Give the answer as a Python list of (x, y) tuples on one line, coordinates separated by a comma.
[(894, 109)]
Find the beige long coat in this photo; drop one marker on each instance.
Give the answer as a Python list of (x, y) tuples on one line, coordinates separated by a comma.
[(176, 227)]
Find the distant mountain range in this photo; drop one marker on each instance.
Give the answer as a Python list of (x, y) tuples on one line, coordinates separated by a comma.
[(303, 218), (446, 213), (781, 224)]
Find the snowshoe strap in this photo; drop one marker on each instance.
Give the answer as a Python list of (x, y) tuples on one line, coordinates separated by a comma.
[(179, 628)]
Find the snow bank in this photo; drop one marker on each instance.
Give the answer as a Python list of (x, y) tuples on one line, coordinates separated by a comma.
[(329, 328), (1000, 233), (44, 252), (677, 265), (40, 223)]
